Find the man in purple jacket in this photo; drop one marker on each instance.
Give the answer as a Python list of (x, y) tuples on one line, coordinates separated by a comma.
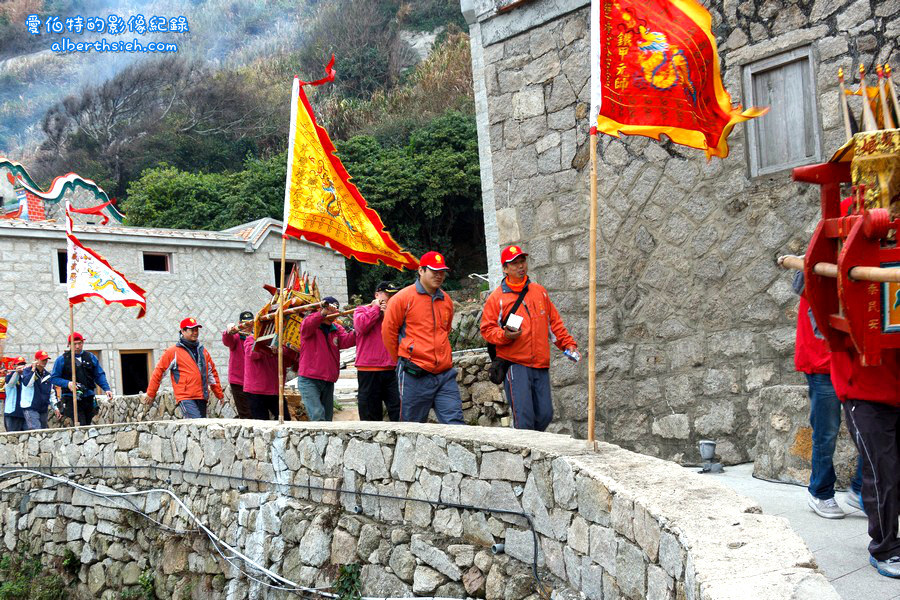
[(233, 338), (375, 369), (321, 340)]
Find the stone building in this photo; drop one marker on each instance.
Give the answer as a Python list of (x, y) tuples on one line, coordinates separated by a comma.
[(694, 316), (210, 275)]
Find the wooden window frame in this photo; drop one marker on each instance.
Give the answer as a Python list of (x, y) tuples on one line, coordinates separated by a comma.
[(170, 266), (753, 147)]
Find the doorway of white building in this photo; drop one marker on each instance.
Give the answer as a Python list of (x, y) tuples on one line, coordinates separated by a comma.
[(135, 369)]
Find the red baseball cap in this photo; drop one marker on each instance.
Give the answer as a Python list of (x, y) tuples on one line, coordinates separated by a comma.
[(20, 360), (434, 261), (511, 253), (189, 323), (76, 336), (41, 355)]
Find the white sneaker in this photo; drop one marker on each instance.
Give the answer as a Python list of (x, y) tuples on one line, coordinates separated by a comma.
[(854, 499), (827, 509)]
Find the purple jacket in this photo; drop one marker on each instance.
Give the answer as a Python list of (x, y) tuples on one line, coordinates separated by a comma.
[(320, 355), (260, 370), (370, 351), (235, 346)]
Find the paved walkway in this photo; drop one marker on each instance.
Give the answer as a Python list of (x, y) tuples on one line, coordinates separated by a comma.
[(839, 545)]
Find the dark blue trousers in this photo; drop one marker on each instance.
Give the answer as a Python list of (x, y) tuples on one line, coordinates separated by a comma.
[(825, 420), (419, 394), (528, 393)]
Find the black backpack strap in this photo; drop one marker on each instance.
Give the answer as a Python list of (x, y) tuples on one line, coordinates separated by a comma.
[(516, 306)]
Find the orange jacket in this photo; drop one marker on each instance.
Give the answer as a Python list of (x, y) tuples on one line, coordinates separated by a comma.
[(187, 381), (417, 326), (541, 324)]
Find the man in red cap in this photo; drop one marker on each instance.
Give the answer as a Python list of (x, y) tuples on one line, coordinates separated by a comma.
[(520, 321), (192, 370), (415, 331), (376, 371), (13, 417), (88, 375), (37, 391)]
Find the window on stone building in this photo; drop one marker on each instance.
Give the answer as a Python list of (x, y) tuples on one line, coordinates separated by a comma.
[(288, 265), (788, 136), (62, 263), (158, 261)]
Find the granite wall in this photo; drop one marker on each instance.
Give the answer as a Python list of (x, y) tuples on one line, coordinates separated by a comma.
[(417, 506)]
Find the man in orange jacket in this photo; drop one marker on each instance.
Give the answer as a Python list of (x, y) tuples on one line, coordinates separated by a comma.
[(193, 373), (525, 344), (416, 333)]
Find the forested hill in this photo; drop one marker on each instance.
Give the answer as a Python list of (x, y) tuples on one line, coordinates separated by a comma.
[(196, 138)]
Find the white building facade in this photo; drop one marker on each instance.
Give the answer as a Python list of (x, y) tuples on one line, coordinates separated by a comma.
[(211, 276)]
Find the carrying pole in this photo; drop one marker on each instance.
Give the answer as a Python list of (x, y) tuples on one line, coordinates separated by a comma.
[(72, 357), (592, 294), (279, 322)]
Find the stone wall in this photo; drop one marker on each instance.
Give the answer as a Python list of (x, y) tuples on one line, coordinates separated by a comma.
[(784, 438), (694, 316), (301, 499)]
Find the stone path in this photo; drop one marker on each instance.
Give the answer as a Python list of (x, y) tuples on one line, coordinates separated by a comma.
[(839, 545)]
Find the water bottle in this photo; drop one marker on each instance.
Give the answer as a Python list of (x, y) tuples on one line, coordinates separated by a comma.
[(572, 355)]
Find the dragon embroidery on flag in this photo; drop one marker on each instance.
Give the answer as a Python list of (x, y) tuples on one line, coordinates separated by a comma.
[(98, 284), (664, 66)]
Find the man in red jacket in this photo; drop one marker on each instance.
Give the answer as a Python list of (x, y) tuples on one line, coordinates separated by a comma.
[(320, 356), (871, 397), (416, 332), (233, 337), (375, 368), (192, 370), (812, 357), (525, 346)]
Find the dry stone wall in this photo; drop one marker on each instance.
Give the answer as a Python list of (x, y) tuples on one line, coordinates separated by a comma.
[(302, 499), (784, 438), (694, 316)]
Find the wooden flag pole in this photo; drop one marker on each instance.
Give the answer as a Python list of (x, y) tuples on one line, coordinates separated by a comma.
[(592, 293), (72, 358), (893, 92), (869, 123), (279, 321), (845, 110), (882, 96)]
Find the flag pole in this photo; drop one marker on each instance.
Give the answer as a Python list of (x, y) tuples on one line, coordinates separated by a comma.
[(845, 110), (890, 81), (280, 328), (72, 358), (592, 292), (882, 95), (869, 123)]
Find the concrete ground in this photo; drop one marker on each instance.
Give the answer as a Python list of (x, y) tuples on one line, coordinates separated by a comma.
[(839, 545)]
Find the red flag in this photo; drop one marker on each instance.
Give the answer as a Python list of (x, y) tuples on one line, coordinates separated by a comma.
[(655, 70)]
